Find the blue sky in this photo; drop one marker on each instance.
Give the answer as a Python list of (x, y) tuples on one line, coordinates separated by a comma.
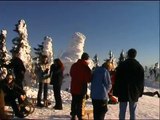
[(106, 25)]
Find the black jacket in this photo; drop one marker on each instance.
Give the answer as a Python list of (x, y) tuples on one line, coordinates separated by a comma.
[(18, 68), (56, 75), (129, 83), (12, 90)]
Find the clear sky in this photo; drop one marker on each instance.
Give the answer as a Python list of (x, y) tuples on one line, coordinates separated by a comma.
[(107, 25)]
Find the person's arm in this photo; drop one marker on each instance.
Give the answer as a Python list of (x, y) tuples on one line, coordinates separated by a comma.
[(141, 82), (51, 70), (107, 81), (19, 90), (88, 74)]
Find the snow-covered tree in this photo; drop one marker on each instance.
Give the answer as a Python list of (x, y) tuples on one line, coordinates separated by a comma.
[(45, 48), (156, 71), (71, 55), (96, 60), (111, 59), (122, 57), (111, 56), (22, 47), (38, 53), (75, 48), (4, 56)]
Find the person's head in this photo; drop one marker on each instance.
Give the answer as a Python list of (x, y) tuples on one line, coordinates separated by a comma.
[(15, 54), (109, 65), (44, 59), (58, 63), (85, 56), (131, 53), (9, 78)]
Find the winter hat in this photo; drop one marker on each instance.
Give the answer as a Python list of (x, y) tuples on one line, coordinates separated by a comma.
[(132, 53), (85, 56)]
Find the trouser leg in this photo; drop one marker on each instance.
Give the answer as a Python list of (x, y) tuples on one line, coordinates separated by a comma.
[(132, 109), (83, 105), (57, 96), (45, 91), (99, 109), (76, 106), (73, 106), (39, 96), (122, 110), (11, 100), (79, 106)]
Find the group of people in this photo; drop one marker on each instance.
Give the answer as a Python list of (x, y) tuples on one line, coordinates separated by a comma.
[(12, 89), (11, 86), (50, 75), (126, 82)]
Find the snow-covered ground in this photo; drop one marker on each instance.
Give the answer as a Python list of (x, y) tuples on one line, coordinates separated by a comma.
[(148, 107)]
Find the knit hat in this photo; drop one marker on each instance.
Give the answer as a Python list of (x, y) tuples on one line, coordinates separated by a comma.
[(85, 56)]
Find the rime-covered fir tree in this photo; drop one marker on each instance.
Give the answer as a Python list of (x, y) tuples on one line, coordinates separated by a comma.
[(112, 59), (4, 56), (96, 60), (38, 53), (45, 48), (22, 47), (122, 57)]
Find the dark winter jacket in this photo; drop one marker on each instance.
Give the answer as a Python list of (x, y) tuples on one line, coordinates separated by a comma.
[(80, 76), (56, 75), (12, 90), (18, 68), (129, 83)]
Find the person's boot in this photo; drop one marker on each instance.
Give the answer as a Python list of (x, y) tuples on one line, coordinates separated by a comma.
[(19, 114), (58, 107), (39, 104), (24, 110)]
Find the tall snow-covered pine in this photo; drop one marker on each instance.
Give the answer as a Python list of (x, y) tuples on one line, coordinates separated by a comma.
[(22, 47), (4, 56)]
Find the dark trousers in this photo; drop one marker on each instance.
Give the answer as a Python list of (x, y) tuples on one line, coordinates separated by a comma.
[(76, 106), (11, 100), (99, 109), (18, 81), (57, 96), (44, 87)]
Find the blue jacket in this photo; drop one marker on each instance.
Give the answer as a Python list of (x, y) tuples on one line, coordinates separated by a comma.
[(100, 84)]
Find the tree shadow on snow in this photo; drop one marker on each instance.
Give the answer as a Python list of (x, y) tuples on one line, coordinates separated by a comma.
[(59, 117)]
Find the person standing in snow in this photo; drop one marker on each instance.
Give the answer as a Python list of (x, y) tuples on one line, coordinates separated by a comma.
[(129, 84), (44, 81), (56, 73), (100, 86), (18, 69), (80, 75)]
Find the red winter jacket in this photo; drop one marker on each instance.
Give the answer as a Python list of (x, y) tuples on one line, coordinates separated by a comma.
[(80, 76)]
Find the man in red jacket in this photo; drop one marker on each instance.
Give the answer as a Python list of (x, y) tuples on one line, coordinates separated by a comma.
[(80, 76)]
